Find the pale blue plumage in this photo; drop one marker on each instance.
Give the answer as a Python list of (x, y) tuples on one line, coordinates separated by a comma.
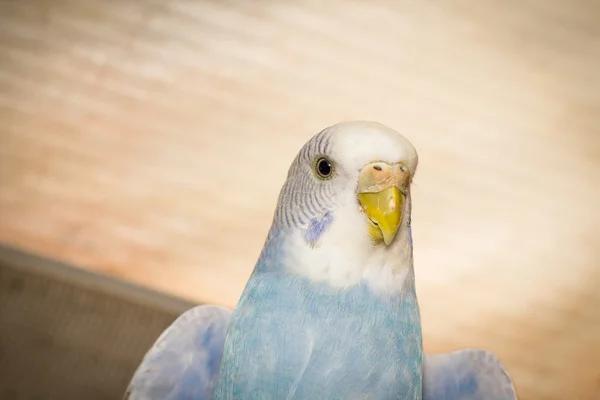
[(184, 362), (300, 332), (184, 365), (311, 339), (466, 375)]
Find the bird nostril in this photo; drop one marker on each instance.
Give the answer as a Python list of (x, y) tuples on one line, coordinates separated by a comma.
[(376, 167)]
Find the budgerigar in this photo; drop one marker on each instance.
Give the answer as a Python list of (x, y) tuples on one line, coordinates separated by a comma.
[(330, 309)]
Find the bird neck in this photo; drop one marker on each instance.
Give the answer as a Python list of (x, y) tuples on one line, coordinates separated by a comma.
[(341, 260)]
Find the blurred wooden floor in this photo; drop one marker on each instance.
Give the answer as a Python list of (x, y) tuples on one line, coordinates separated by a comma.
[(149, 139)]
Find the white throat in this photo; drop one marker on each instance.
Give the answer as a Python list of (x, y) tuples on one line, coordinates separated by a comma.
[(344, 255)]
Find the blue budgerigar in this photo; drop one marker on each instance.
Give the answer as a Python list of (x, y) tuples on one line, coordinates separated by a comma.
[(330, 310)]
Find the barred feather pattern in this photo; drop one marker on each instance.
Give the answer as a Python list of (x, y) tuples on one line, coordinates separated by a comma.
[(305, 197)]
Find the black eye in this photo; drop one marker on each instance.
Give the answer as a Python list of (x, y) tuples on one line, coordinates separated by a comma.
[(323, 168)]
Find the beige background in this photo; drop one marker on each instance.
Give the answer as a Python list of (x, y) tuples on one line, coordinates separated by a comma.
[(149, 139)]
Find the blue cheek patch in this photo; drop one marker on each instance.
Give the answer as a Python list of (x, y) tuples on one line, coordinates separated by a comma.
[(316, 228)]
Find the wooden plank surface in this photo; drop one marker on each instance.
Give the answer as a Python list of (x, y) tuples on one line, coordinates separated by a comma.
[(148, 140)]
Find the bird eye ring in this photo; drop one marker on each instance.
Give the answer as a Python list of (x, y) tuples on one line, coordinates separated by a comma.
[(323, 168)]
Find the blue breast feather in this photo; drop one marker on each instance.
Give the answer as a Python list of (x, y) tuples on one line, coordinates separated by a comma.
[(293, 338)]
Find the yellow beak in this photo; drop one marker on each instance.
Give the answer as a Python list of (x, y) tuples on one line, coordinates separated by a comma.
[(381, 193)]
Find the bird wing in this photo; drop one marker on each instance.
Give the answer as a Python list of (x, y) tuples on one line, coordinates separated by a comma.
[(184, 361), (468, 374)]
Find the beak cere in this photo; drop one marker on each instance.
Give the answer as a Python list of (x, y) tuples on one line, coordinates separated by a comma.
[(381, 193)]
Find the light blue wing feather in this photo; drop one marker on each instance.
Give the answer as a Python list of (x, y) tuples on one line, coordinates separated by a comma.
[(185, 360), (466, 375)]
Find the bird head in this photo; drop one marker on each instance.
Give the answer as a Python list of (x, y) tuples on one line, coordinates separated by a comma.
[(345, 206)]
